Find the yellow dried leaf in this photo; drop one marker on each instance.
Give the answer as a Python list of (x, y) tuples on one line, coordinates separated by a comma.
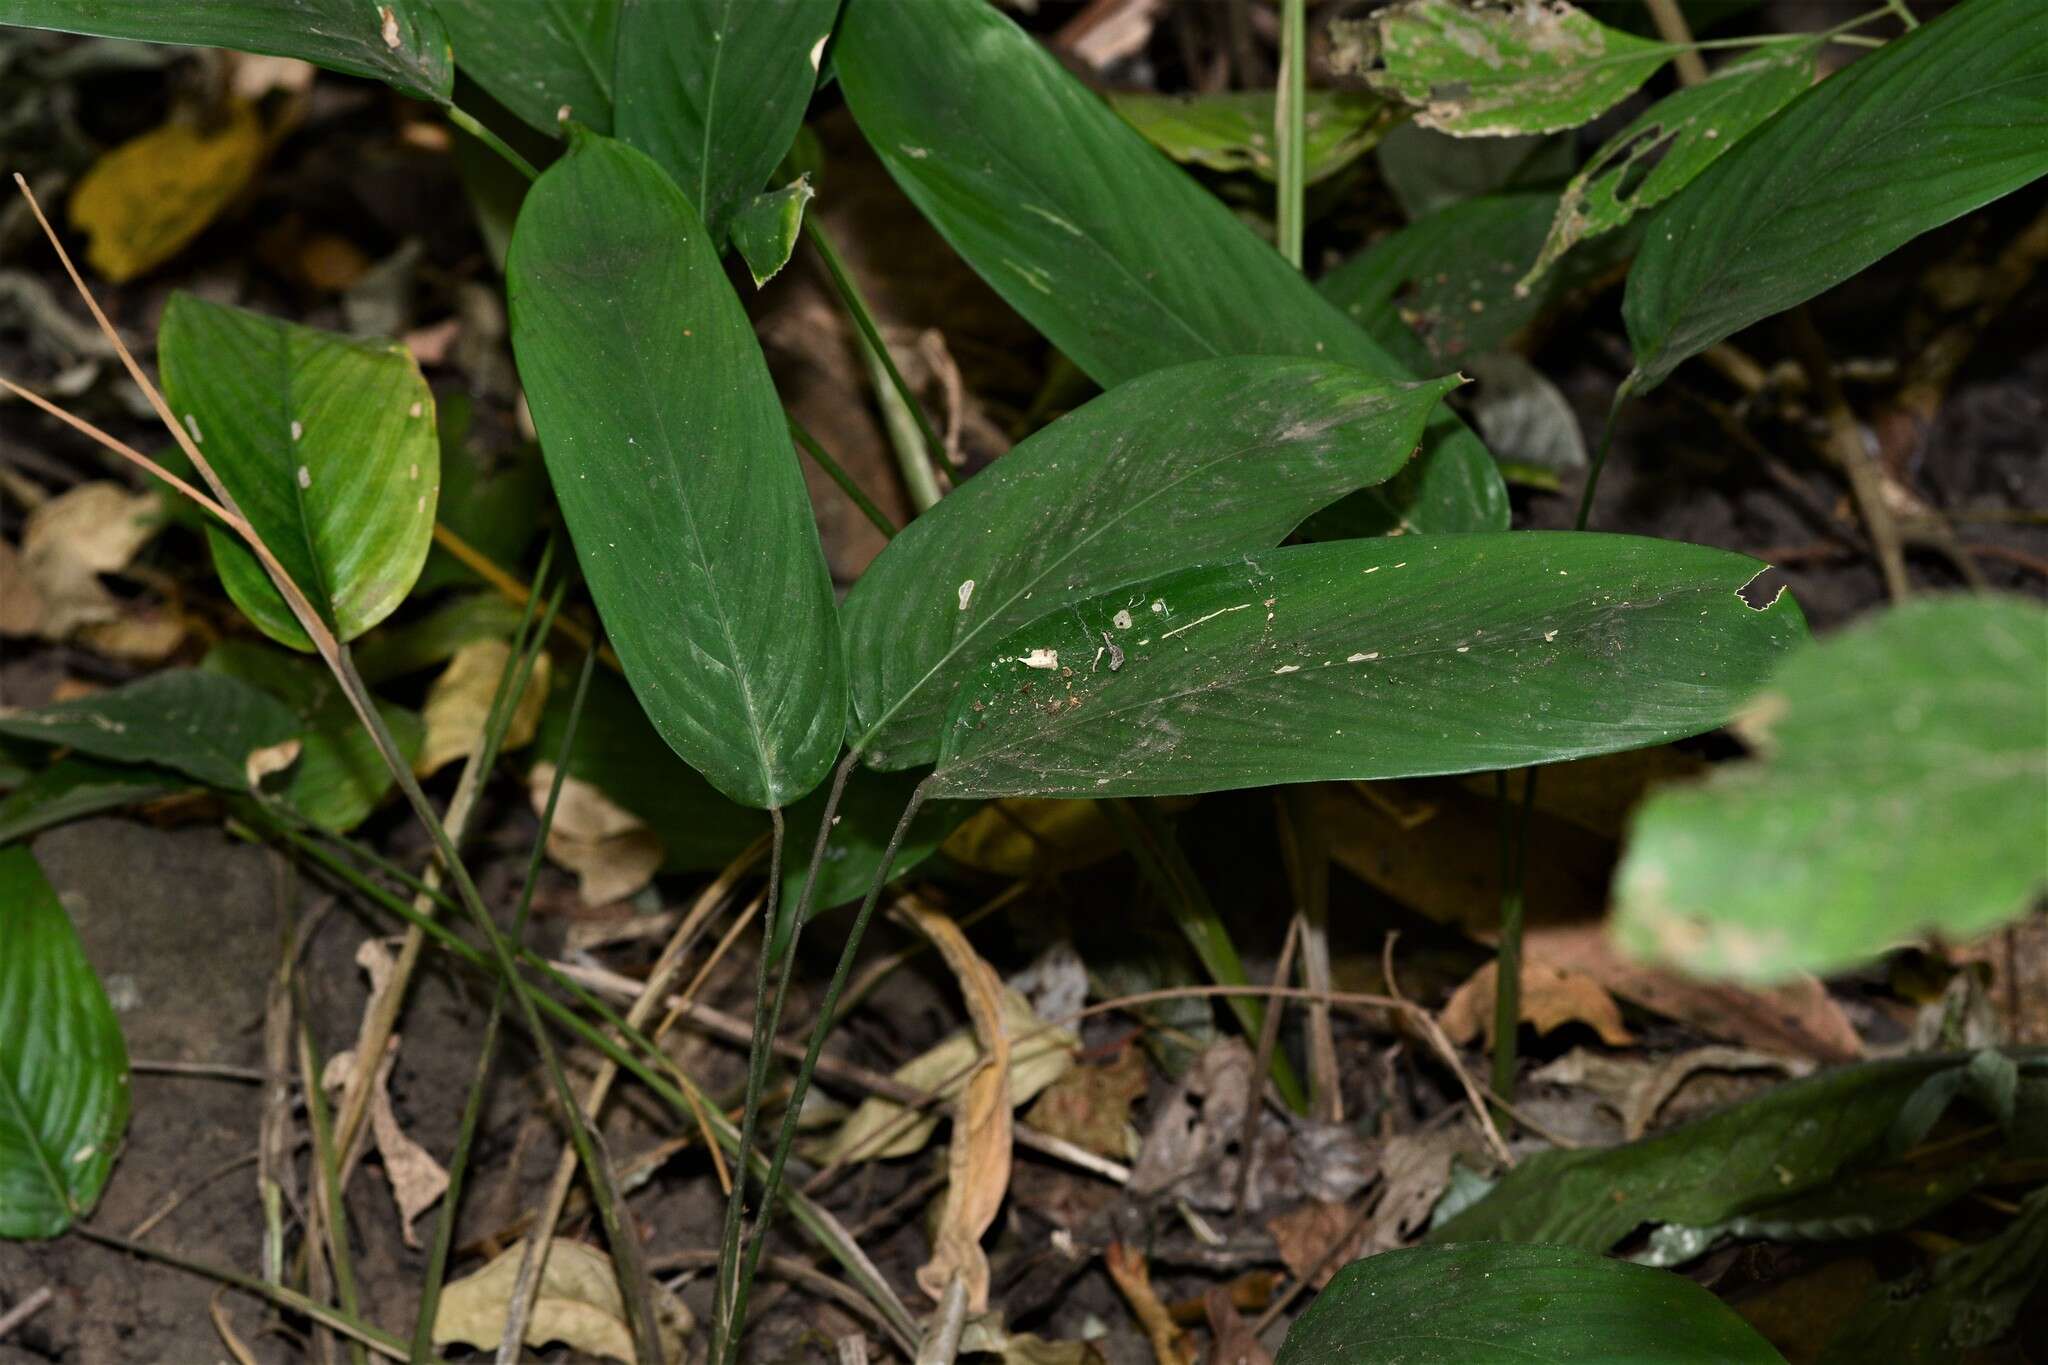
[(143, 201), (577, 1304), (1012, 838), (459, 702), (608, 848)]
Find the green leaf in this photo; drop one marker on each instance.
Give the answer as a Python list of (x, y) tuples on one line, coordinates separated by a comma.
[(714, 90), (1426, 170), (1795, 1139), (1902, 788), (670, 457), (1187, 463), (1366, 659), (496, 501), (1116, 255), (554, 55), (340, 777), (868, 811), (1685, 132), (1491, 71), (1456, 1305), (1232, 130), (77, 786), (201, 724), (63, 1066), (327, 445), (399, 42), (765, 230), (1930, 126)]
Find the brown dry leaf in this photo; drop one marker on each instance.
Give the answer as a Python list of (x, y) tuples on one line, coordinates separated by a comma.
[(1307, 1234), (2018, 957), (21, 606), (144, 636), (271, 758), (1023, 835), (69, 541), (144, 200), (1551, 998), (1415, 1169), (1639, 1089), (1126, 1266), (611, 852), (577, 1304), (416, 1179), (1203, 1116), (1231, 1339), (459, 702), (978, 1160), (1091, 1105), (1798, 1018)]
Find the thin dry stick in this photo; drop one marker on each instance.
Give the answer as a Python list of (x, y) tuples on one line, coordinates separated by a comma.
[(797, 1272), (518, 593), (1846, 446), (1269, 1037), (23, 1311), (1434, 1032), (170, 1205)]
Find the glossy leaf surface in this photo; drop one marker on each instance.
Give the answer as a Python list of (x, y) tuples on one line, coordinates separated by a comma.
[(76, 786), (1902, 788), (202, 724), (1923, 130), (1115, 254), (555, 56), (1184, 464), (670, 457), (766, 228), (63, 1065), (327, 445), (1366, 659), (1461, 1304)]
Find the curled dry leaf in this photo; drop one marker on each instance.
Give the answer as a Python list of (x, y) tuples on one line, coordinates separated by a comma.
[(459, 704), (417, 1180), (143, 201), (1126, 1266), (577, 1304), (611, 852), (67, 543), (1552, 997)]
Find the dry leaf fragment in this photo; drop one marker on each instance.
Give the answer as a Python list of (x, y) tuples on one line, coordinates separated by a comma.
[(1133, 1277), (21, 606), (417, 1180), (1551, 998), (1091, 1106), (271, 758), (459, 703), (144, 200), (1306, 1237), (1415, 1169), (1638, 1089), (1231, 1339), (577, 1304), (1014, 838), (69, 541), (608, 848)]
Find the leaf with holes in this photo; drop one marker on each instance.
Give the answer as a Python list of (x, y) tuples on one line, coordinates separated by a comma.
[(1187, 463), (205, 725), (1366, 659), (672, 461), (1115, 254), (1930, 126), (63, 1065), (1901, 789), (327, 445)]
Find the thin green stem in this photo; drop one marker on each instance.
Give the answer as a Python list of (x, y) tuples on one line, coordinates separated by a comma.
[(1507, 988), (327, 1176), (1905, 13), (470, 124), (1290, 130), (1622, 393), (838, 475)]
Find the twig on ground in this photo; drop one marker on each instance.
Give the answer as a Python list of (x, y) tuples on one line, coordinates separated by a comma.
[(23, 1311)]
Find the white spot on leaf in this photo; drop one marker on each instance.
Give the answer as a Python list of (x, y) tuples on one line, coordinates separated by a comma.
[(390, 29), (1040, 658), (966, 593), (305, 477)]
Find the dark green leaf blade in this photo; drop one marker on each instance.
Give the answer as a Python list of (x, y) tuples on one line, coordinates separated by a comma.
[(63, 1065), (77, 786), (202, 724), (1366, 659), (714, 90), (1903, 788), (554, 57), (327, 445), (399, 42), (1110, 250), (669, 454), (1464, 1304), (1932, 125), (1187, 463)]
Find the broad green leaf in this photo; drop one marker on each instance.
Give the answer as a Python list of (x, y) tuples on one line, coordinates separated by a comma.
[(340, 777), (714, 90), (1366, 659), (1930, 126), (77, 786), (399, 42), (63, 1066), (1232, 130), (1901, 788), (1187, 463), (327, 445), (766, 227), (672, 462), (1794, 1140), (1679, 136), (1111, 251), (1550, 1304), (548, 59), (201, 724), (1490, 71), (493, 500)]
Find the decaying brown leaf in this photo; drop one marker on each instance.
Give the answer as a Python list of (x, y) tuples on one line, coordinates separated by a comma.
[(1415, 1169), (608, 848), (459, 703), (2018, 956), (577, 1304), (417, 1180), (1126, 1266), (1091, 1105), (1231, 1339), (1551, 998), (143, 201), (1308, 1235), (66, 544)]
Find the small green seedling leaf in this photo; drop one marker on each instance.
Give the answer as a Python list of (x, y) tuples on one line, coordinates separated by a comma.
[(1494, 70), (1548, 1304), (1232, 130), (765, 231), (550, 63), (1930, 126), (1902, 788), (217, 729), (671, 459), (1685, 132), (1365, 659), (399, 42), (1187, 463), (1120, 258), (327, 445), (63, 1065)]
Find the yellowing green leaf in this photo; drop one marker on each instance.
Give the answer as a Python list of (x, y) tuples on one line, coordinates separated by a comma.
[(1232, 130), (142, 202)]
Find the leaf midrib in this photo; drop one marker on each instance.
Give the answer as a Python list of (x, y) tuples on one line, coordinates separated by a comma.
[(43, 1156)]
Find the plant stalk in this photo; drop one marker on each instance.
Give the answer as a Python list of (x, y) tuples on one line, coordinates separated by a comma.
[(1290, 130)]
